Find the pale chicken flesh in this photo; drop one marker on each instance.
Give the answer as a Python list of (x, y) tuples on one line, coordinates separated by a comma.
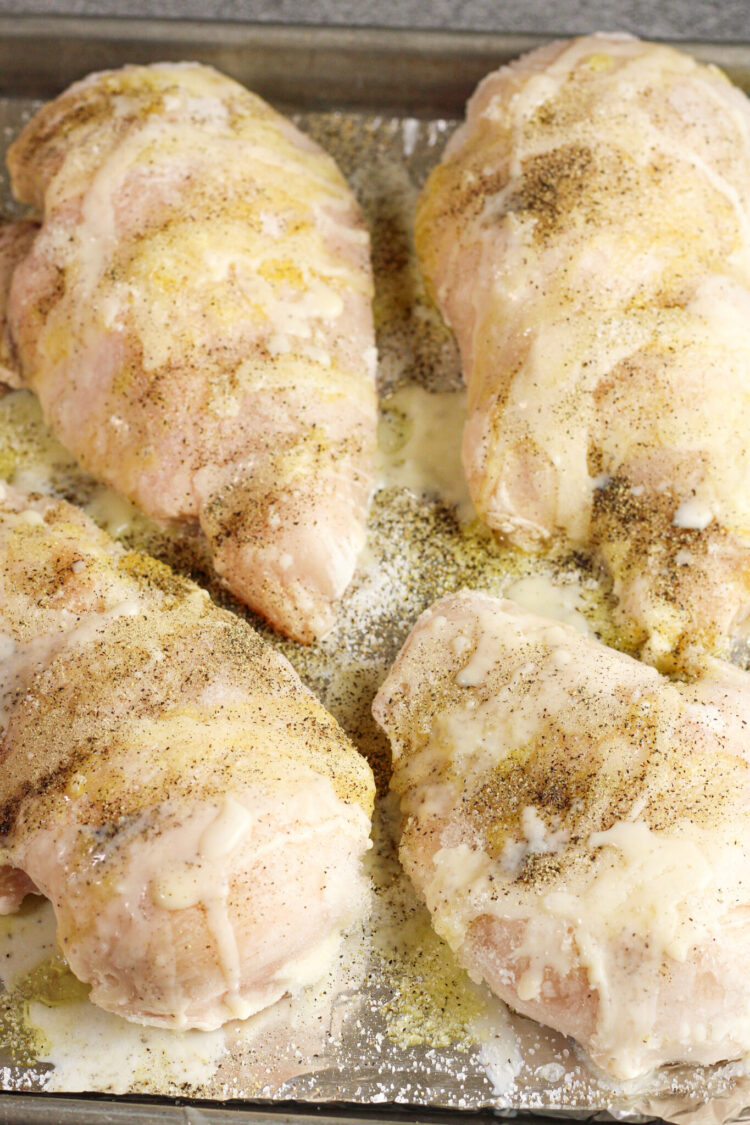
[(15, 242), (579, 827), (195, 816), (587, 236), (195, 317)]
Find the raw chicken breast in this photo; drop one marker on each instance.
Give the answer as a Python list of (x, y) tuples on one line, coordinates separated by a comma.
[(15, 241), (579, 828), (587, 236), (195, 816), (195, 317)]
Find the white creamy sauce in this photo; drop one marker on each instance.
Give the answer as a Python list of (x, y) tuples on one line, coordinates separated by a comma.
[(93, 1050), (499, 1048), (204, 879), (656, 881), (230, 827), (540, 594), (656, 886), (538, 839), (114, 513), (26, 939), (693, 515), (420, 446), (44, 466), (550, 402)]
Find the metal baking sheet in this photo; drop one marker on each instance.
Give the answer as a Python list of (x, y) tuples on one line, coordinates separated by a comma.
[(397, 1023)]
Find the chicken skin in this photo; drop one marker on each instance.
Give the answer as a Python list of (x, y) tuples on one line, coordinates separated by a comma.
[(195, 317), (193, 813), (587, 236), (579, 827)]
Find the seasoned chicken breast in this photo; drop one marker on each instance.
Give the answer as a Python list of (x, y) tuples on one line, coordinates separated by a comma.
[(587, 236), (193, 813), (195, 317), (579, 827), (15, 241)]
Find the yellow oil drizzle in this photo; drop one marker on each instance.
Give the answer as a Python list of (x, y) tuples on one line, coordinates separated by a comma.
[(433, 1001), (50, 983)]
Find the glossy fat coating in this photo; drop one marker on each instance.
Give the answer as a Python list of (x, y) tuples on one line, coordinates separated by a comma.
[(587, 236), (194, 814), (195, 319), (579, 827)]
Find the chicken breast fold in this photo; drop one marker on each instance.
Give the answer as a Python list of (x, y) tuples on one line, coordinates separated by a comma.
[(195, 318), (587, 236), (195, 816), (578, 827)]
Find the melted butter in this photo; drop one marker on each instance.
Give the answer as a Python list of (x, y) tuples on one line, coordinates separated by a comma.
[(230, 827), (419, 446), (45, 1018), (540, 594), (204, 879), (31, 458), (22, 1042), (53, 984), (34, 972), (112, 512), (27, 940), (144, 1059), (432, 1000)]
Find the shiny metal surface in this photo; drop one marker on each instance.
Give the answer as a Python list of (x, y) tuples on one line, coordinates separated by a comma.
[(424, 73)]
